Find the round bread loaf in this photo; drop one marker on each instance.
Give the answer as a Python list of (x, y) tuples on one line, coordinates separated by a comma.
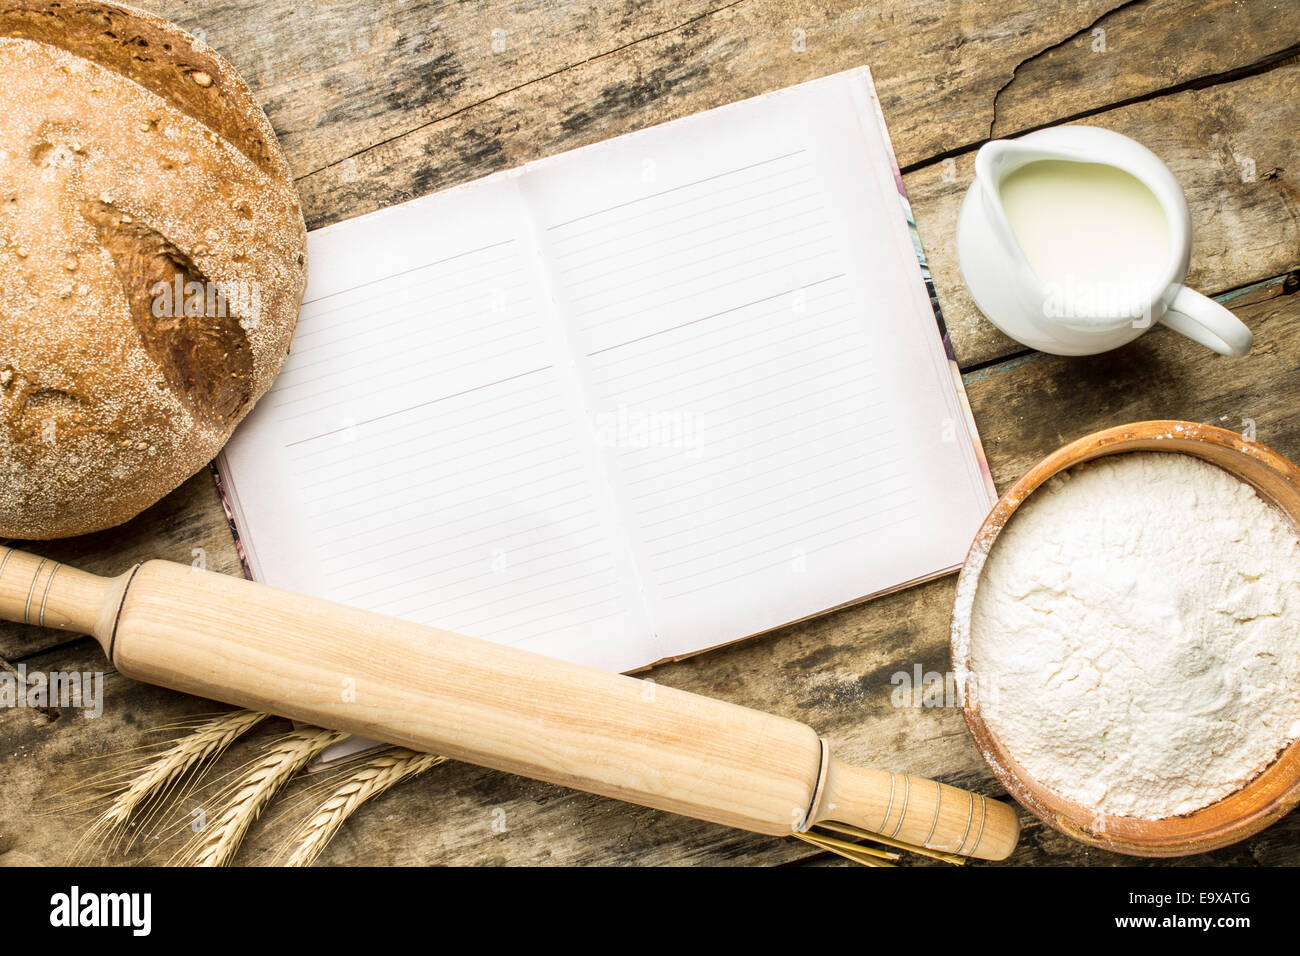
[(152, 262)]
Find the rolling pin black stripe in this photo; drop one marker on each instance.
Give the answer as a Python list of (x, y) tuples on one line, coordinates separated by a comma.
[(117, 619), (823, 768)]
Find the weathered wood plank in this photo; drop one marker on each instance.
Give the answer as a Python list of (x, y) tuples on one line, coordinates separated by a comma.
[(834, 672), (1138, 49), (1161, 375), (339, 77), (938, 67)]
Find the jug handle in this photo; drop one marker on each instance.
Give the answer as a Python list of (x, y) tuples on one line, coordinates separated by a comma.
[(1203, 320)]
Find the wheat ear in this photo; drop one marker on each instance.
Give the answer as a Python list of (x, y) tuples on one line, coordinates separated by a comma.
[(243, 800), (167, 771), (377, 774)]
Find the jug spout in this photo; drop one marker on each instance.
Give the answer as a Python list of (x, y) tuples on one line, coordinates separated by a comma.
[(993, 162), (998, 157)]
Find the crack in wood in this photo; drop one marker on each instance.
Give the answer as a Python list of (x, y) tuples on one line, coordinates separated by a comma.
[(47, 649), (1282, 58), (993, 120)]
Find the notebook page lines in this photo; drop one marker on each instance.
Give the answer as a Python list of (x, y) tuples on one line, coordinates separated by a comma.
[(372, 350), (732, 377), (692, 250), (787, 453), (433, 453), (474, 515)]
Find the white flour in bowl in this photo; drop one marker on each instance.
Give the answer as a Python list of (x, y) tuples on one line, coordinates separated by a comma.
[(1135, 636)]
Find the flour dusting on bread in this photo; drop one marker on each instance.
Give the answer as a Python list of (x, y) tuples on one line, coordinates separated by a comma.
[(151, 269)]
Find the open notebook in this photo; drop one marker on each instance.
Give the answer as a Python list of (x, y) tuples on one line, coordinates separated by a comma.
[(626, 403)]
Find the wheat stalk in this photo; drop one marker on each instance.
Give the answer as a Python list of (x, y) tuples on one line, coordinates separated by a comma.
[(167, 771), (377, 774), (243, 801)]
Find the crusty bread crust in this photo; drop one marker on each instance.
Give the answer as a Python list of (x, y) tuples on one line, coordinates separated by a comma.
[(152, 262)]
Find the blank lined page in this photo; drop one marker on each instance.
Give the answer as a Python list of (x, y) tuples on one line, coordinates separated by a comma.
[(761, 361), (436, 453)]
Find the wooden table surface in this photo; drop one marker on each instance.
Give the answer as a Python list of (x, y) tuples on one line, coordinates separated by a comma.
[(381, 101)]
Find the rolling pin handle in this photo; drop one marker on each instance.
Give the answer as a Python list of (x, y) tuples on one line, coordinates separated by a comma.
[(46, 593), (918, 811)]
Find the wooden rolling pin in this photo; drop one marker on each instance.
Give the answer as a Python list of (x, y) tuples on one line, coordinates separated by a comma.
[(430, 690)]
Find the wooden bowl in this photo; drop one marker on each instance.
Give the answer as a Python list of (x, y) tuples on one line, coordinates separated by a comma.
[(1270, 795)]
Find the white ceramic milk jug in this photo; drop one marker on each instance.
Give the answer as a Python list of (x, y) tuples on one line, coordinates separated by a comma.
[(1076, 240)]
